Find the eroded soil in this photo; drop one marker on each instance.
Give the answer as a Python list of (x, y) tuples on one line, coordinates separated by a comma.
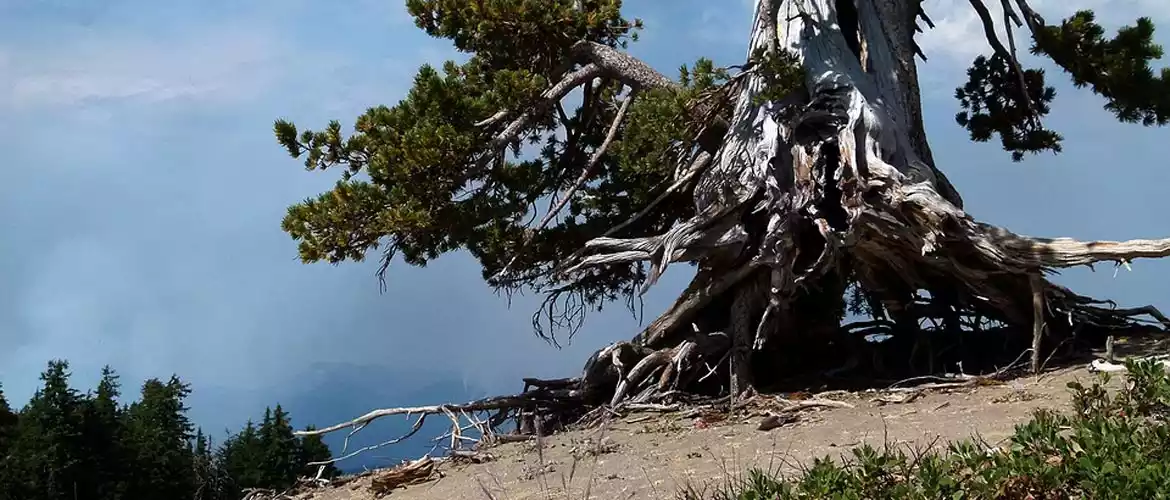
[(653, 456)]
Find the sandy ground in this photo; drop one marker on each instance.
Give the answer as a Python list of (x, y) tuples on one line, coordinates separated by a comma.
[(644, 456)]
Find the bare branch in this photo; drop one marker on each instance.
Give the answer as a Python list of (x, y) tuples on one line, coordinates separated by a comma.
[(701, 162), (704, 288), (593, 161), (1067, 252), (1031, 18), (1010, 56), (498, 403), (413, 430), (547, 98)]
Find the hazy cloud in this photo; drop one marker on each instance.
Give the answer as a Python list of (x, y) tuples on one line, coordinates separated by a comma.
[(142, 192), (221, 63)]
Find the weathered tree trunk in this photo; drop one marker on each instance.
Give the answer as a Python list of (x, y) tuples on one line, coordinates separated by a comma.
[(801, 199), (804, 197)]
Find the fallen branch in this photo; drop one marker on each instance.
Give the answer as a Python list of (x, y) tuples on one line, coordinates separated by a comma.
[(1100, 365), (417, 426), (488, 404), (804, 404)]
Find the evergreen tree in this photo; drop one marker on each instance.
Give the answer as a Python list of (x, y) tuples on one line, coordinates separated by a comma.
[(102, 434), (158, 438), (279, 450), (313, 449), (65, 445), (8, 421), (210, 479), (8, 430), (241, 457), (48, 452), (800, 182)]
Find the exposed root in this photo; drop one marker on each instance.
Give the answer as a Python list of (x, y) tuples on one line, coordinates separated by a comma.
[(794, 202)]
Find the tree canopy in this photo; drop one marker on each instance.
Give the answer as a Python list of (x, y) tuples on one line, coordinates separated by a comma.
[(65, 444), (800, 183), (465, 159)]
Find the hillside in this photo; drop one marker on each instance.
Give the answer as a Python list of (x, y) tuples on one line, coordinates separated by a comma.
[(654, 456)]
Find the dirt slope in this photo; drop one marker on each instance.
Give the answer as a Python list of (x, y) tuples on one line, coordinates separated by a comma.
[(654, 456)]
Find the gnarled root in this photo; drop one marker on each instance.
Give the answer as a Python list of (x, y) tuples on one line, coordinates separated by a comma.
[(802, 200)]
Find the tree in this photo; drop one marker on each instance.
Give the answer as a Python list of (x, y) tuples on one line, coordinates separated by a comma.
[(47, 455), (158, 438), (801, 184), (280, 450), (8, 421), (211, 480), (311, 448), (101, 422), (8, 428), (242, 459)]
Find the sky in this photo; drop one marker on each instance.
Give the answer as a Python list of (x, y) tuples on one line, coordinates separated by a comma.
[(141, 193)]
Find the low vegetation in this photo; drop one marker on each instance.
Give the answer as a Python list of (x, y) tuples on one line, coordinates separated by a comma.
[(1112, 444)]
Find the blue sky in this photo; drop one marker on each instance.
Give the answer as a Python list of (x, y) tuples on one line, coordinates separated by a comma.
[(141, 193)]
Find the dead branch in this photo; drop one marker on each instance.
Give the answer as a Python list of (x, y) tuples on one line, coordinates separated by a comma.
[(414, 430), (1100, 365), (593, 161), (702, 290), (1030, 252), (701, 161), (547, 98), (640, 372), (488, 404), (804, 404)]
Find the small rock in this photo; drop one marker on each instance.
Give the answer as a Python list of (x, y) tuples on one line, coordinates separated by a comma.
[(774, 421)]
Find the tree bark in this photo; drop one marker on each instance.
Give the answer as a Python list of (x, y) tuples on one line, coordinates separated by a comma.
[(844, 186), (798, 200)]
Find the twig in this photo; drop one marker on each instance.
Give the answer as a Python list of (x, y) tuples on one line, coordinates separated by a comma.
[(417, 426), (593, 161), (993, 39)]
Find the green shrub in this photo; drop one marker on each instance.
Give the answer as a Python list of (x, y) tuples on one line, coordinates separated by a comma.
[(1110, 446)]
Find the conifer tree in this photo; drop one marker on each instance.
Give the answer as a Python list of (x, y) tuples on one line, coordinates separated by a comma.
[(48, 453), (158, 436), (211, 480), (8, 430), (242, 456), (280, 451), (311, 448), (800, 183), (105, 459)]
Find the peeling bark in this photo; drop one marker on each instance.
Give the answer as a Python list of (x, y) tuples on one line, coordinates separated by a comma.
[(846, 185)]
